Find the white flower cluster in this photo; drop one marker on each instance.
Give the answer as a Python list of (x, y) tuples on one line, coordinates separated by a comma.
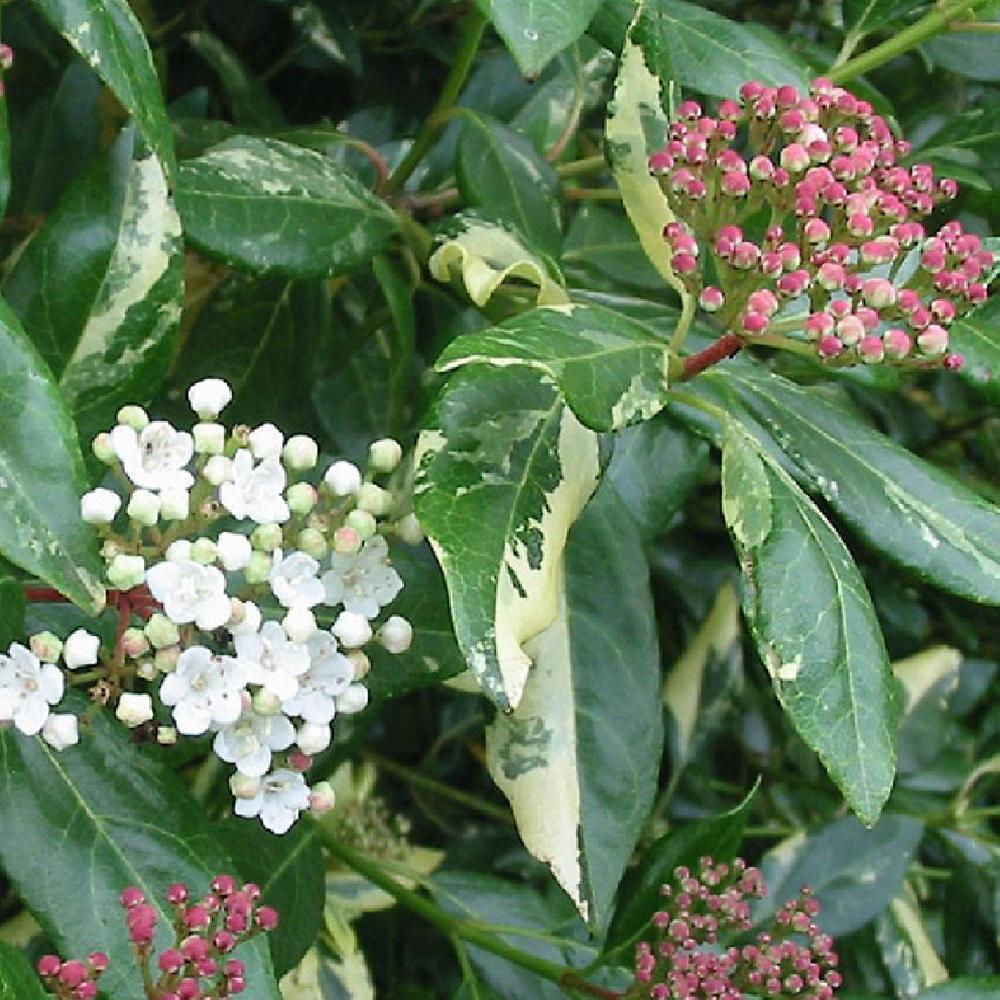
[(234, 552)]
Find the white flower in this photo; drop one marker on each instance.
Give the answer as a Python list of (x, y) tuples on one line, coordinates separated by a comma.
[(249, 741), (234, 551), (352, 629), (293, 580), (204, 689), (266, 442), (300, 452), (190, 592), (255, 491), (81, 649), (396, 635), (299, 624), (354, 699), (27, 688), (61, 731), (245, 619), (209, 397), (364, 582), (329, 675), (99, 506), (343, 478), (272, 660), (134, 709), (154, 458), (283, 795), (312, 739)]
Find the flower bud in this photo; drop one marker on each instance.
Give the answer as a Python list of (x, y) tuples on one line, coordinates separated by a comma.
[(233, 551), (384, 455), (264, 702), (99, 506), (146, 669), (144, 508), (299, 623), (352, 629), (360, 662), (354, 699), (81, 649), (243, 786), (362, 522), (396, 634), (161, 631), (830, 346), (166, 659), (850, 330), (133, 416), (103, 449), (134, 709), (258, 569), (302, 497), (209, 397), (346, 540), (312, 738), (134, 643), (322, 798), (374, 499), (711, 299), (343, 478), (933, 340), (266, 442), (61, 730), (878, 293), (410, 530), (871, 350), (166, 736), (300, 452), (46, 646), (209, 439), (312, 542), (267, 537), (204, 551), (175, 504), (218, 470), (299, 761), (245, 619)]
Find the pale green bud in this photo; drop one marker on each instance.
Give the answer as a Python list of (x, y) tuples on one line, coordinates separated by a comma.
[(166, 736), (126, 572), (135, 643), (300, 452), (133, 416), (301, 498), (144, 508), (161, 631), (347, 540), (103, 449), (312, 542), (209, 439), (166, 659), (374, 499), (204, 551), (46, 646), (362, 522), (266, 703), (267, 537), (259, 568), (410, 529), (384, 455)]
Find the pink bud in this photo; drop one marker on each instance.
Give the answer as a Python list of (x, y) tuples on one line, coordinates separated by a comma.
[(224, 942), (735, 184), (729, 110), (661, 162), (933, 340), (878, 292), (790, 256), (793, 284), (770, 264), (73, 973), (920, 317), (684, 263), (194, 947), (787, 96), (177, 894), (252, 890), (87, 990), (745, 255), (831, 277), (49, 965), (689, 109), (761, 168), (171, 961), (234, 967), (908, 300), (884, 250), (869, 318), (977, 293), (763, 301), (933, 260), (695, 188), (712, 299), (830, 347), (897, 344), (131, 896), (943, 311), (187, 989), (816, 231), (819, 325), (754, 323), (954, 362), (791, 121), (850, 330), (299, 761), (237, 923), (267, 918), (206, 967), (871, 350), (236, 984), (781, 178), (197, 918), (751, 90), (794, 157), (948, 188)]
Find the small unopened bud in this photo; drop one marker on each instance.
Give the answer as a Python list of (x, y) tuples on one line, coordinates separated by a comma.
[(146, 669), (354, 699), (81, 649), (322, 798), (396, 634), (352, 629), (46, 646), (312, 738), (126, 572), (267, 537), (384, 455), (346, 540), (175, 504), (312, 542), (161, 631), (871, 350), (209, 439), (299, 624), (179, 551), (209, 397), (266, 703), (245, 618), (99, 506), (134, 643), (218, 470), (410, 530), (134, 709), (166, 659), (343, 478), (830, 346), (258, 568), (166, 736), (933, 340), (712, 299), (362, 522), (266, 442), (299, 761), (300, 452), (103, 449), (144, 507), (374, 499), (243, 786), (133, 416), (204, 551), (301, 498), (61, 731), (359, 660)]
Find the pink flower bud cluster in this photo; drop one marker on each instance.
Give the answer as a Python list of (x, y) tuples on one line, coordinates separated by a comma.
[(847, 226), (686, 961), (198, 965)]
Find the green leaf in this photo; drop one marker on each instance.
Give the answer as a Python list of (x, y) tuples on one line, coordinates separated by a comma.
[(120, 818), (579, 757), (503, 470), (535, 30), (12, 608), (265, 205), (635, 128), (977, 338), (611, 370), (852, 871), (908, 952), (718, 837), (813, 622), (971, 54), (862, 17), (328, 34), (486, 254), (706, 52), (601, 244), (908, 509), (99, 288), (290, 872), (501, 174), (111, 40), (249, 99), (41, 470), (969, 138), (965, 988), (17, 978)]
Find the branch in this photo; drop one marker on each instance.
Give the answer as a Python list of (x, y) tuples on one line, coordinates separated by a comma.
[(725, 347)]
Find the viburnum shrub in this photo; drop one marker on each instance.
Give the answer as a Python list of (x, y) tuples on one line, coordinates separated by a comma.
[(508, 482)]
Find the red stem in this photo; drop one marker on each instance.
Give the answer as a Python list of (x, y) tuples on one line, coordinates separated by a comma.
[(44, 595), (725, 347)]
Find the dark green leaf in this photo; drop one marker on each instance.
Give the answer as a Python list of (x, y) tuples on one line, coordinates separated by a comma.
[(973, 988), (119, 819), (813, 622), (852, 871), (500, 173), (111, 40), (709, 53), (970, 138), (910, 510), (17, 978), (601, 244), (265, 205), (862, 17), (290, 871), (611, 370), (329, 35), (535, 30), (971, 54), (99, 287), (12, 608), (579, 758), (249, 100), (41, 475), (503, 470), (977, 338), (717, 837)]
